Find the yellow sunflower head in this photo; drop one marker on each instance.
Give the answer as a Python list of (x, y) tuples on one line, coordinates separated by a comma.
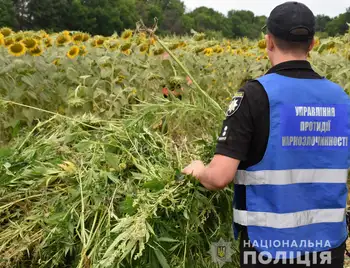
[(173, 46), (112, 44), (158, 51), (77, 38), (5, 31), (127, 52), (66, 33), (99, 41), (82, 50), (62, 39), (30, 43), (144, 48), (43, 34), (208, 51), (152, 41), (86, 37), (182, 44), (8, 41), (37, 51), (262, 44), (17, 49), (125, 47), (1, 39), (73, 52), (37, 37), (127, 34), (142, 36), (18, 37), (56, 61), (48, 42), (218, 49)]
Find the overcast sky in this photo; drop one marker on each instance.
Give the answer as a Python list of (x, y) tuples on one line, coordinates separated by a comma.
[(331, 8)]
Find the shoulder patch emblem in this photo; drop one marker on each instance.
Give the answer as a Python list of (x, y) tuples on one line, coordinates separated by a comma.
[(235, 103)]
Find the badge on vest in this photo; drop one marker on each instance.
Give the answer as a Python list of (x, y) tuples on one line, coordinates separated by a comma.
[(235, 103)]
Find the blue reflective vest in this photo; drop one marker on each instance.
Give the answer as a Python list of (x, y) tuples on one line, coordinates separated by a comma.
[(296, 196)]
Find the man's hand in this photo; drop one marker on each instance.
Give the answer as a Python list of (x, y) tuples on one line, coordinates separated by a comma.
[(217, 175), (196, 169)]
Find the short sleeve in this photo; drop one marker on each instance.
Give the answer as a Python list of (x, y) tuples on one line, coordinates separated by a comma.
[(238, 127)]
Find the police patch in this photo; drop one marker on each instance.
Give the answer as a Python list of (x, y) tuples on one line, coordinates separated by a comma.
[(235, 103)]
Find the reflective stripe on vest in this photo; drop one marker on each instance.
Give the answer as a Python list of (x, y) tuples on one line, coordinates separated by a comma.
[(298, 190), (289, 220), (281, 177)]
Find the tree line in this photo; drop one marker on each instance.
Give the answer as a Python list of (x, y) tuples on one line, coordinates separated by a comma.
[(106, 17)]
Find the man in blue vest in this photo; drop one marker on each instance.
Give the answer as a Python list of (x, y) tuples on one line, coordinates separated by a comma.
[(285, 145)]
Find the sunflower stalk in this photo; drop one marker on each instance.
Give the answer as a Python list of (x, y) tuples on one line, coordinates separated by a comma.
[(212, 101)]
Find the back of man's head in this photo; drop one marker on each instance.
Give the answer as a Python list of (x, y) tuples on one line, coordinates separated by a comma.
[(291, 26)]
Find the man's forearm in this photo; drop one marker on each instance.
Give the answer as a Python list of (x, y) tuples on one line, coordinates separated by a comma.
[(208, 180)]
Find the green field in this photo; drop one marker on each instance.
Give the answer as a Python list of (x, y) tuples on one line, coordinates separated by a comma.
[(91, 151)]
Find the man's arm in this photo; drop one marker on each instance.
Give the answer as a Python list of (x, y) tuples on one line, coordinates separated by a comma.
[(217, 175), (232, 147)]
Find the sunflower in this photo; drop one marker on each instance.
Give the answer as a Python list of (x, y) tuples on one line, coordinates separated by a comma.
[(43, 34), (112, 44), (125, 47), (142, 36), (173, 46), (8, 41), (317, 42), (208, 51), (56, 61), (1, 39), (82, 50), (37, 51), (62, 39), (18, 37), (30, 43), (158, 51), (86, 37), (262, 44), (73, 52), (127, 34), (66, 33), (17, 49), (127, 52), (144, 48), (218, 49), (5, 31), (77, 38), (99, 41), (182, 44), (152, 41), (37, 37), (48, 42)]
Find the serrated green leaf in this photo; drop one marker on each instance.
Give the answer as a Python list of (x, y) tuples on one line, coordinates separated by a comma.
[(162, 260)]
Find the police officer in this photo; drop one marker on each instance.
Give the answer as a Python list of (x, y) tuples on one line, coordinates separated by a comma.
[(285, 145)]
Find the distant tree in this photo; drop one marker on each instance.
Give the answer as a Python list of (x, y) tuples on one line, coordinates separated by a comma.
[(48, 14), (207, 19), (8, 14), (244, 23), (321, 22), (339, 24)]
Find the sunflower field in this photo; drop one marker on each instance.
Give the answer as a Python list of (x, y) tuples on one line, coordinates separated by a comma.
[(94, 132)]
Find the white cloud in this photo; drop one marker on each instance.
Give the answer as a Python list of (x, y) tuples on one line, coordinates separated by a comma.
[(264, 7)]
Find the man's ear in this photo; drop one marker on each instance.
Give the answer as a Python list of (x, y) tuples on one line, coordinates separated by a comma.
[(312, 44), (269, 42)]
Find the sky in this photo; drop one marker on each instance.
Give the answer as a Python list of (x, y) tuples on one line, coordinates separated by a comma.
[(331, 8)]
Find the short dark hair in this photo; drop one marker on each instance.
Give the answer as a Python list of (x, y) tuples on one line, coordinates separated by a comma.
[(292, 46)]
